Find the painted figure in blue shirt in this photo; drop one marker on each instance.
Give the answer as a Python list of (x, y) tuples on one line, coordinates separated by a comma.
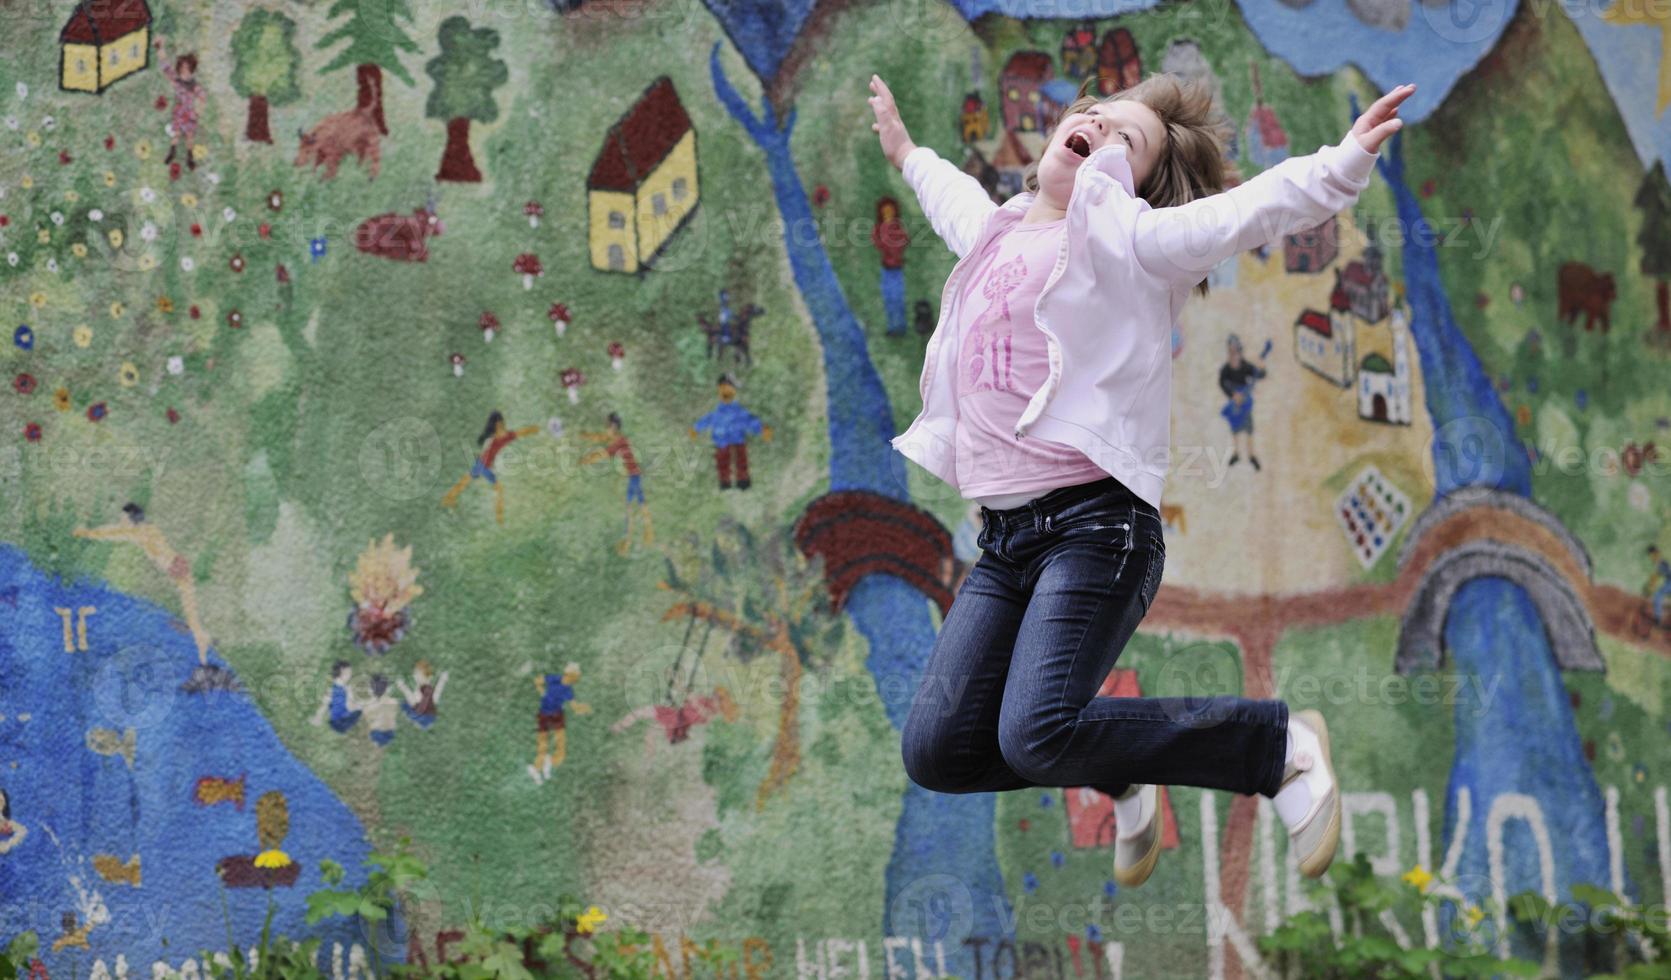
[(1662, 579), (340, 704), (730, 425), (556, 692)]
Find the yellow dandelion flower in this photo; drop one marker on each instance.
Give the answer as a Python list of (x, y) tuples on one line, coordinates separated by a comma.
[(1419, 878), (110, 178), (27, 182), (117, 309), (147, 262), (61, 399), (84, 334), (79, 249), (37, 299), (128, 375), (142, 149), (272, 859), (589, 920), (115, 237), (1474, 914), (33, 137), (189, 199), (71, 196)]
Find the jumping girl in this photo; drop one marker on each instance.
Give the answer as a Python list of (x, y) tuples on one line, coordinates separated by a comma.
[(1046, 398), (496, 436)]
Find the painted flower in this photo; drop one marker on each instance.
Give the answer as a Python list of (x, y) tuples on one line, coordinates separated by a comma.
[(589, 920), (316, 248), (26, 182), (23, 338), (32, 432), (52, 265), (22, 90), (97, 411), (229, 214), (12, 259), (173, 416), (188, 263), (33, 138), (128, 374), (189, 199), (57, 217), (12, 123), (83, 336), (110, 178), (236, 263), (235, 319), (1474, 915), (117, 309), (61, 399), (1419, 878), (275, 200), (165, 305), (95, 215), (79, 250), (148, 232), (48, 123), (37, 299), (147, 262), (199, 151), (115, 237), (214, 178), (109, 142), (24, 384), (71, 196), (142, 149), (194, 312), (43, 236), (196, 230), (272, 858), (176, 365), (147, 195)]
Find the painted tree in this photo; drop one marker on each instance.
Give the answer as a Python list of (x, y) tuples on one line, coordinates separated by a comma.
[(375, 41), (1654, 200), (465, 74), (265, 61), (774, 602)]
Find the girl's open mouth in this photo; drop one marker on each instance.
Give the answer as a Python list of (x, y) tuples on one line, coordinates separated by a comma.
[(1078, 144)]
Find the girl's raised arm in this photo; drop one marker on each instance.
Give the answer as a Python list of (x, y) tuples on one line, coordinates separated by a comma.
[(1184, 243), (956, 204)]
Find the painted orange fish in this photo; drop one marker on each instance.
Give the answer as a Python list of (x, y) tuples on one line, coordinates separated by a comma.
[(211, 790), (114, 870)]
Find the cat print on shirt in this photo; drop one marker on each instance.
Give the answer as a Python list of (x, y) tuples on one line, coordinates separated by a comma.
[(989, 352)]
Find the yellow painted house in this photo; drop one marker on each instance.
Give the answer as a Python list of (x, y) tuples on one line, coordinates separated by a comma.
[(643, 183), (103, 42)]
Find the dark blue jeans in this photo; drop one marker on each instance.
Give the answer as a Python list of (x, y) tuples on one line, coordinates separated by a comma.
[(1009, 697)]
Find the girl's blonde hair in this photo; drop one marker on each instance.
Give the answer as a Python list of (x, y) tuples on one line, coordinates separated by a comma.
[(1191, 163)]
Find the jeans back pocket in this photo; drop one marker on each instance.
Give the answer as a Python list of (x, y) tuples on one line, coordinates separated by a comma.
[(1156, 567)]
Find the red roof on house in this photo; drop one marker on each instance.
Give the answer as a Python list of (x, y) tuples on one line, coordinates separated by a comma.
[(641, 139), (102, 21), (1338, 300), (1030, 64), (1315, 320), (1358, 273)]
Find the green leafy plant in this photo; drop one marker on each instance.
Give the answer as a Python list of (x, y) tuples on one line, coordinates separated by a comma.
[(16, 957), (391, 875), (566, 945), (1367, 948), (1602, 914)]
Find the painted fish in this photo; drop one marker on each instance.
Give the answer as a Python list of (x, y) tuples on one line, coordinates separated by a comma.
[(211, 790), (105, 741), (113, 870)]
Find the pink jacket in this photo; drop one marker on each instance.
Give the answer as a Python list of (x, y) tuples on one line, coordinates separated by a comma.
[(1122, 275)]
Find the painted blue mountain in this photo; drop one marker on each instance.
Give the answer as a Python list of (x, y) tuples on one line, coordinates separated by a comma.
[(65, 718)]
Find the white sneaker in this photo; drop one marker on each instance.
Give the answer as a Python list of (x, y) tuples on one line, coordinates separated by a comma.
[(1137, 848), (534, 771), (1314, 837)]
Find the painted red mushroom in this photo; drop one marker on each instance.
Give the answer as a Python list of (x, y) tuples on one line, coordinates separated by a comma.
[(457, 360), (559, 315), (528, 264), (534, 212), (489, 324), (572, 380), (617, 354)]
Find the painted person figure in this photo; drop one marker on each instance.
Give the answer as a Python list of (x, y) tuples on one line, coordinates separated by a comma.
[(495, 437), (1659, 583), (422, 700), (730, 425), (188, 97), (12, 833), (340, 706), (889, 238), (1236, 379), (131, 528), (382, 711), (616, 445), (552, 740)]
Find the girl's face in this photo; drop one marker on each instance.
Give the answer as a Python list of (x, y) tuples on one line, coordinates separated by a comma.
[(1079, 134)]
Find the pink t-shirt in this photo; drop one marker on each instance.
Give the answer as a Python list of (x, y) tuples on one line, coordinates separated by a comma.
[(1002, 359)]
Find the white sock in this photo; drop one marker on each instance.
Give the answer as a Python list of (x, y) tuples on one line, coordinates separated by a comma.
[(1294, 800), (1128, 810)]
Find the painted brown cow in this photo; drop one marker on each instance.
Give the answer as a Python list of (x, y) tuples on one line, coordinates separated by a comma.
[(401, 237), (354, 131), (1581, 289)]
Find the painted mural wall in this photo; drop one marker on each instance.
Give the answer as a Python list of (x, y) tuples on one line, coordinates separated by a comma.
[(469, 423)]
